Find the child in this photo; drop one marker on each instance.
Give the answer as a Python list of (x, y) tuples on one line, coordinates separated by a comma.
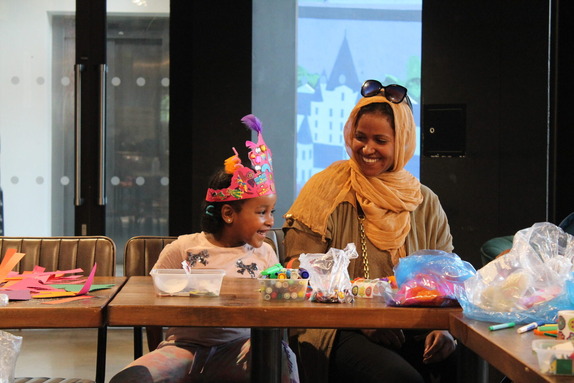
[(237, 213)]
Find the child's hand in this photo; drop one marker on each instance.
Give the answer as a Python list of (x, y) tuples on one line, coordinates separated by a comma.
[(438, 346)]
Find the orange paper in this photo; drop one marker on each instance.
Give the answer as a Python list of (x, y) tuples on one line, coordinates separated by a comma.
[(54, 294), (11, 258)]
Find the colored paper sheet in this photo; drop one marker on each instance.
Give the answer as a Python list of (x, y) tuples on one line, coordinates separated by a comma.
[(77, 288), (46, 275), (70, 299), (53, 294), (89, 282), (11, 258), (17, 295), (83, 290), (41, 284), (29, 284)]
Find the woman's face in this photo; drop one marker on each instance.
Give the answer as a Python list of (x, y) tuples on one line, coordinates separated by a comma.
[(373, 144)]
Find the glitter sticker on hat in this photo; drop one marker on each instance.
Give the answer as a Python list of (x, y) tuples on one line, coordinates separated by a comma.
[(246, 182)]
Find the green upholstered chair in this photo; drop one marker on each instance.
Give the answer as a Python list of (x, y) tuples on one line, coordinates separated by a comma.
[(494, 246)]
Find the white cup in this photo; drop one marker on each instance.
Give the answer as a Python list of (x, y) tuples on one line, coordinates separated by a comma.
[(566, 324)]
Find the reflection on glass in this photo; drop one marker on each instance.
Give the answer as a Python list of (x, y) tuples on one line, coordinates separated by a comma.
[(137, 126)]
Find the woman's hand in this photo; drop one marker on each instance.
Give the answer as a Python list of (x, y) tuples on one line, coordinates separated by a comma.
[(438, 346), (242, 357), (385, 336)]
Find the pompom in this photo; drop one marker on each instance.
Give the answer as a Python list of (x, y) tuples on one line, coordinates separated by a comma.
[(232, 163), (252, 123)]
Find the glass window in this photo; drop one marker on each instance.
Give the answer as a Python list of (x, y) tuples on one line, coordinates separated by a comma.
[(37, 100)]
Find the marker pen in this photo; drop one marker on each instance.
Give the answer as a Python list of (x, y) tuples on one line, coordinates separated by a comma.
[(501, 326), (529, 327), (548, 327)]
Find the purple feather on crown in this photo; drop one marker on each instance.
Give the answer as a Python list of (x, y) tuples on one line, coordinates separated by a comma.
[(252, 123)]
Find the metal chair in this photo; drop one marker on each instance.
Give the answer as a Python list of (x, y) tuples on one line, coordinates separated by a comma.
[(66, 253), (275, 238)]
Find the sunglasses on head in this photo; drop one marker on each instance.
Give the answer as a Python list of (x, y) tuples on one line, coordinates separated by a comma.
[(394, 93)]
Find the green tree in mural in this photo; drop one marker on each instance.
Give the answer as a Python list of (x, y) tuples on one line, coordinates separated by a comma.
[(412, 81)]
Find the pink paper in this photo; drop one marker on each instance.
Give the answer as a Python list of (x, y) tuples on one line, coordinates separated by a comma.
[(30, 284), (89, 282), (18, 295)]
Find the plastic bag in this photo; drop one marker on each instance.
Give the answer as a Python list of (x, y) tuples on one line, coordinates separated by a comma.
[(9, 351), (429, 278), (527, 284), (328, 274)]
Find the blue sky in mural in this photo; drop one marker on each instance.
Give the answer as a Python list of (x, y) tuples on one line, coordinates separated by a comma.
[(339, 47)]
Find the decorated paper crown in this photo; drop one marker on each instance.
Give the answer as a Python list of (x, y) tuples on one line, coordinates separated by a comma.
[(246, 182)]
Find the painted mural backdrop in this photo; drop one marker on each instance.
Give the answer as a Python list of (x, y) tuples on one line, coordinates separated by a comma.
[(340, 45)]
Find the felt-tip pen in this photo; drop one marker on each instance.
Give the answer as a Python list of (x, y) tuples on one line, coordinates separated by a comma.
[(501, 326), (529, 327)]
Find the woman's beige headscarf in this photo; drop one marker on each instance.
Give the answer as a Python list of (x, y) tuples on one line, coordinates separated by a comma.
[(386, 199)]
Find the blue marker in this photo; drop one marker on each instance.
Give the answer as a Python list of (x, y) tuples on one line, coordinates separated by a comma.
[(501, 326), (529, 327)]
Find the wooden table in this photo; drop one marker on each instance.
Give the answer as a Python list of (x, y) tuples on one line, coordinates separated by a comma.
[(240, 305), (507, 351), (85, 313)]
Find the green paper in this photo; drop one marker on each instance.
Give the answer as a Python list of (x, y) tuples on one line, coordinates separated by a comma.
[(76, 288)]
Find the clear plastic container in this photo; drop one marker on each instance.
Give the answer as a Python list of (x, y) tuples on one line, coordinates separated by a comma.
[(555, 357), (176, 282), (283, 289)]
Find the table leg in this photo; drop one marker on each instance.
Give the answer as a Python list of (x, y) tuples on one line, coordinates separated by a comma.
[(101, 356), (471, 367), (266, 355), (138, 341)]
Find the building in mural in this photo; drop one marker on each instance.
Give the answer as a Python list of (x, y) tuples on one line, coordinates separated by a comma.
[(322, 113)]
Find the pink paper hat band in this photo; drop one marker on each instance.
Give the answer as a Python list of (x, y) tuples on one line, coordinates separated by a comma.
[(247, 182)]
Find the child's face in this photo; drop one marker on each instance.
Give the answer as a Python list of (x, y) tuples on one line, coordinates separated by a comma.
[(252, 223)]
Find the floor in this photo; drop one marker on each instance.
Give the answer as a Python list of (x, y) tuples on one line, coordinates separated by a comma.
[(71, 353)]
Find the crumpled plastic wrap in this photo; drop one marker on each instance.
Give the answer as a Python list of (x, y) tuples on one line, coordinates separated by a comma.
[(429, 278), (328, 274), (9, 351), (530, 283)]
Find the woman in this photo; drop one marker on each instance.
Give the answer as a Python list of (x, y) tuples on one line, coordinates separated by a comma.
[(372, 201)]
